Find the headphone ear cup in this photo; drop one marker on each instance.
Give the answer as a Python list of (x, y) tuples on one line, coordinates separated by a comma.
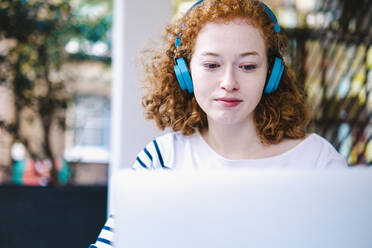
[(282, 67), (275, 76), (180, 80), (183, 75)]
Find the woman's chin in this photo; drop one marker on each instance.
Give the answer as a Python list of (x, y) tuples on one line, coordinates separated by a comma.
[(226, 120)]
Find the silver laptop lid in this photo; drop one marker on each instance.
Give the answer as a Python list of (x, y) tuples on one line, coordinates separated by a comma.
[(243, 208)]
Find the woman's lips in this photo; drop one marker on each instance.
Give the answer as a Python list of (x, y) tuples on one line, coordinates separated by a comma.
[(229, 102)]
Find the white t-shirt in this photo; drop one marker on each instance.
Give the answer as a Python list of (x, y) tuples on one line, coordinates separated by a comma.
[(174, 150)]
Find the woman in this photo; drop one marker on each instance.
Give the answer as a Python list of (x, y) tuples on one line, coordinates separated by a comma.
[(222, 86)]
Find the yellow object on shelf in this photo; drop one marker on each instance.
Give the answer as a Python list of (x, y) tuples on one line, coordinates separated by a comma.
[(369, 58), (358, 81)]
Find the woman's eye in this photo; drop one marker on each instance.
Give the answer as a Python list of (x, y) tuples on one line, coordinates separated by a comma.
[(211, 66), (248, 67)]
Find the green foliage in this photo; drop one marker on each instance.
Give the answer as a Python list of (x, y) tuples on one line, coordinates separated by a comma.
[(39, 31), (25, 20), (92, 21)]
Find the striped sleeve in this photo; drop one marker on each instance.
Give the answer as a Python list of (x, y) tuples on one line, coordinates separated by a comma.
[(151, 157), (106, 237)]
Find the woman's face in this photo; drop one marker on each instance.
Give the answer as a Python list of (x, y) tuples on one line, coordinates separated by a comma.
[(228, 69)]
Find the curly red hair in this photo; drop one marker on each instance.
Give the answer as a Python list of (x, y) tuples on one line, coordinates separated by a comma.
[(279, 115)]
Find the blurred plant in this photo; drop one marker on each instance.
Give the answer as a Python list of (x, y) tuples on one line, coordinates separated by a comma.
[(37, 29), (34, 36), (91, 28)]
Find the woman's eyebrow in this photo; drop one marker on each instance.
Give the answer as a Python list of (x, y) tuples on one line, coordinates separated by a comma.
[(209, 54), (245, 54), (253, 53)]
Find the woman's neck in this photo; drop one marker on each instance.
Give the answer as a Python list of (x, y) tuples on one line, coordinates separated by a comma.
[(234, 141)]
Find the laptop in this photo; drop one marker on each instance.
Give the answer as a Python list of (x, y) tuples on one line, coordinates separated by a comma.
[(243, 208)]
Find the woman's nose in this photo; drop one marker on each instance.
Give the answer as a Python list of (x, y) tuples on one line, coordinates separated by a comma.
[(229, 82)]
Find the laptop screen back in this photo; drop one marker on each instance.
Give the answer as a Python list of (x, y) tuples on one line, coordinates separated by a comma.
[(243, 208)]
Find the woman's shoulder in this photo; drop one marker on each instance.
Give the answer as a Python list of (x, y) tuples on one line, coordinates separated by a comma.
[(160, 153), (320, 143), (322, 150), (311, 141), (172, 138)]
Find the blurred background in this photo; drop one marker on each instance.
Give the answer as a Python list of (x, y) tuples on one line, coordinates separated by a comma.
[(70, 109)]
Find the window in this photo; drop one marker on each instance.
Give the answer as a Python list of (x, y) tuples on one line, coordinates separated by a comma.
[(91, 122)]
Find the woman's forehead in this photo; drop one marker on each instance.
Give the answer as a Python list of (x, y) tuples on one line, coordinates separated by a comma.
[(235, 34), (236, 23)]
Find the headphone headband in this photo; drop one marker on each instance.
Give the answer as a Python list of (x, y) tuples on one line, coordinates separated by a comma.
[(269, 12), (272, 16), (197, 3)]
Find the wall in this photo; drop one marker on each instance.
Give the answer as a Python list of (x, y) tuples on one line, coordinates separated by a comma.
[(135, 22)]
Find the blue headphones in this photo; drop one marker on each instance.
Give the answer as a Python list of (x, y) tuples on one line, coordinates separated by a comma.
[(183, 73)]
